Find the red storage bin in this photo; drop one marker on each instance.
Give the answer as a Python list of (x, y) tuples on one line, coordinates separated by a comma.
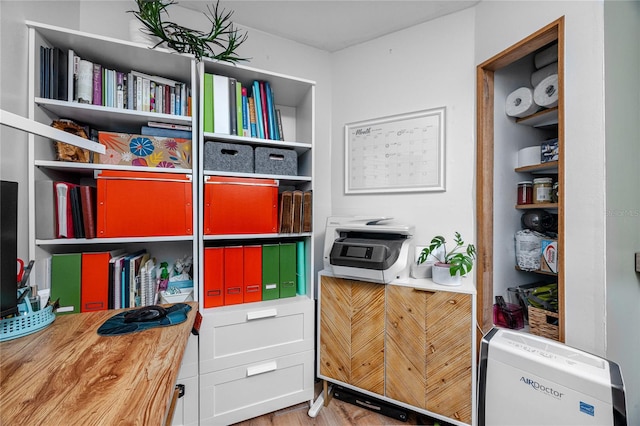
[(240, 206), (142, 204)]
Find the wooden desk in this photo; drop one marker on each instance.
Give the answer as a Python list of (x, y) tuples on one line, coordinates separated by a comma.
[(68, 374)]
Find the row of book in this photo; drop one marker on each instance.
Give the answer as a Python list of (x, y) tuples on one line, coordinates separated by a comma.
[(95, 281), (295, 212), (66, 76), (231, 108), (65, 210)]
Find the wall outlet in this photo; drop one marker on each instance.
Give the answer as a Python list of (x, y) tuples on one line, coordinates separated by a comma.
[(637, 262)]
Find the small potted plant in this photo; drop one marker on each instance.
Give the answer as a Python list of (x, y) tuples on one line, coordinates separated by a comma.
[(450, 265)]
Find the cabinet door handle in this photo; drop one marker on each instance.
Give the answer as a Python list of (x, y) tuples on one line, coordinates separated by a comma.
[(262, 314), (424, 290), (264, 368)]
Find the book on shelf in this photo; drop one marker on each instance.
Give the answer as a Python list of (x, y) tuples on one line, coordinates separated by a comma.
[(88, 202), (233, 118), (207, 112), (279, 124), (76, 211), (96, 98), (72, 76), (253, 130), (271, 112), (307, 218), (120, 81), (238, 109), (170, 126), (258, 108), (85, 81), (165, 133), (245, 113), (297, 211), (264, 110)]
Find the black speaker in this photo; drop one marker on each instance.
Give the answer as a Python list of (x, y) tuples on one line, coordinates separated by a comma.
[(8, 248)]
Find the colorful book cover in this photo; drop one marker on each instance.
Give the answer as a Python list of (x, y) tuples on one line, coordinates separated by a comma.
[(239, 117), (245, 113), (258, 108), (253, 129)]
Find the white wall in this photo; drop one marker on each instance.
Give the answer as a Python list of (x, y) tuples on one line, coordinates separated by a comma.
[(622, 116), (13, 90), (423, 67)]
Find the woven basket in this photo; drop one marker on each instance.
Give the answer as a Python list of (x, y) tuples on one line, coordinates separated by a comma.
[(540, 323)]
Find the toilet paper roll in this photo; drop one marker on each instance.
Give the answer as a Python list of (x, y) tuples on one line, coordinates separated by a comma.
[(529, 156), (545, 93), (542, 73), (546, 56), (520, 103)]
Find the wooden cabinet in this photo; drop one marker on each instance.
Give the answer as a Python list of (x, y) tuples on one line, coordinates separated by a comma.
[(410, 344), (499, 138)]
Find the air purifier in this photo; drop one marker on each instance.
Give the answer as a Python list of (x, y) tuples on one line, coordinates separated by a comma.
[(530, 380)]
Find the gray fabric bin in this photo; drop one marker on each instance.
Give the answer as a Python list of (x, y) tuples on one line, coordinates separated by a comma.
[(275, 161), (228, 157)]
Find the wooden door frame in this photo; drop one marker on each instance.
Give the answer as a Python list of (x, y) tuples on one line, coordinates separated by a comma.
[(484, 166)]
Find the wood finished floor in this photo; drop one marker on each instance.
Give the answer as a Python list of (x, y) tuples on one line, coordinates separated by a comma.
[(335, 414)]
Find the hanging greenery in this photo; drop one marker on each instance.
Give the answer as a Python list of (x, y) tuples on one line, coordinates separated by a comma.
[(219, 43)]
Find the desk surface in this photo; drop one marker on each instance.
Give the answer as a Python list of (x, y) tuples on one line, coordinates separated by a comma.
[(68, 374)]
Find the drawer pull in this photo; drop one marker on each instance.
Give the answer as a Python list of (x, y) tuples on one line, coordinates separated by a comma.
[(268, 313), (264, 368)]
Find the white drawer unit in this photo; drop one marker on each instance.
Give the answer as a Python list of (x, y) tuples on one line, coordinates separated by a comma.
[(237, 335), (246, 391)]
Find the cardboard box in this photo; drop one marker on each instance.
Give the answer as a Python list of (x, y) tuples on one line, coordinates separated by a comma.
[(240, 206), (146, 151), (143, 204), (549, 256)]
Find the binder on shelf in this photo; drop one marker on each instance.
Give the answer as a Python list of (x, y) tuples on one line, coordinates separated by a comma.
[(233, 275), (207, 112), (270, 271), (64, 211), (233, 116), (252, 265), (288, 263), (301, 271), (66, 278), (76, 213), (94, 286), (213, 277), (221, 117)]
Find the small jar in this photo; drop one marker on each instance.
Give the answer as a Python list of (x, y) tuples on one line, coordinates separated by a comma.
[(542, 190), (525, 192)]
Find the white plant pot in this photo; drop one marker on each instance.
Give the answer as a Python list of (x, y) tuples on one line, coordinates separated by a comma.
[(442, 275), (422, 270)]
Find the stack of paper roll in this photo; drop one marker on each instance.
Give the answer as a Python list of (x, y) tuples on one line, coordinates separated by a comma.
[(520, 103), (545, 79)]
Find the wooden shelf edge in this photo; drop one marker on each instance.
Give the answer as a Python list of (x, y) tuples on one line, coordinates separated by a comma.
[(551, 167), (536, 206)]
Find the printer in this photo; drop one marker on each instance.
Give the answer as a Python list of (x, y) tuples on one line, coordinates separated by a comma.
[(368, 248)]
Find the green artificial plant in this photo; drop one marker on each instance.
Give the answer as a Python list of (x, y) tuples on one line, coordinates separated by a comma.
[(460, 258), (219, 43)]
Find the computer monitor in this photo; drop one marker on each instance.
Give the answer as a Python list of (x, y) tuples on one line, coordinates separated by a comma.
[(8, 247)]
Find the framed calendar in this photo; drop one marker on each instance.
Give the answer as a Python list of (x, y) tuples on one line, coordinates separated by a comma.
[(400, 153)]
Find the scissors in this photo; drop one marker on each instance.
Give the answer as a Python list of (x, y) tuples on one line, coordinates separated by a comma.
[(23, 272)]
